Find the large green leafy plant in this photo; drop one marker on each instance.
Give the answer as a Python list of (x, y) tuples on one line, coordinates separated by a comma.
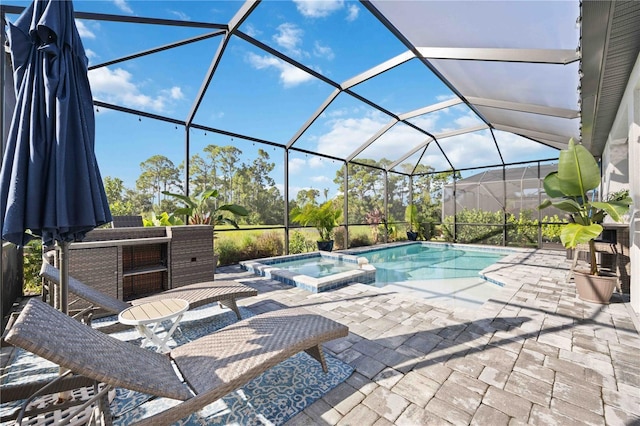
[(577, 176), (322, 217), (200, 211)]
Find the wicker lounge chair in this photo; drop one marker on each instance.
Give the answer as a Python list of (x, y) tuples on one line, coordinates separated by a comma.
[(211, 366), (198, 294)]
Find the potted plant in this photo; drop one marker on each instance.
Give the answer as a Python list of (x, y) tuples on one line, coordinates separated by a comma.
[(411, 217), (578, 174), (322, 217)]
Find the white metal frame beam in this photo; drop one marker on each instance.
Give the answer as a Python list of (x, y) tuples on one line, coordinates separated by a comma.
[(530, 108), (378, 69), (431, 108), (541, 56)]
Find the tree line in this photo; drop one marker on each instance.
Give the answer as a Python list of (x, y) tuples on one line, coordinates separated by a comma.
[(250, 184)]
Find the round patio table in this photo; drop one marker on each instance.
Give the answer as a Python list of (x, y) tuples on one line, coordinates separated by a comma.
[(147, 318)]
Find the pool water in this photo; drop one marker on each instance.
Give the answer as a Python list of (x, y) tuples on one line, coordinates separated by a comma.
[(316, 267), (444, 274), (421, 262)]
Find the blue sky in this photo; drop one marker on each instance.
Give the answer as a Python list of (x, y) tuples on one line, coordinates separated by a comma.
[(257, 94)]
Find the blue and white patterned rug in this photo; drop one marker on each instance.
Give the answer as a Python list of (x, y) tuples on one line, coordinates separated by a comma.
[(270, 399)]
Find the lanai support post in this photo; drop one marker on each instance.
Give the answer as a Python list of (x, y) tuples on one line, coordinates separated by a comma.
[(286, 201)]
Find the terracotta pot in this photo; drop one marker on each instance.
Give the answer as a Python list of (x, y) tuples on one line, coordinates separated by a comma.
[(595, 288)]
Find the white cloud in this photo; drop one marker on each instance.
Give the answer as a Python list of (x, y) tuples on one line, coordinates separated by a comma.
[(320, 179), (175, 93), (435, 160), (302, 165), (318, 8), (180, 15), (289, 37), (442, 98), (515, 148), (84, 31), (123, 6), (90, 54), (340, 112), (316, 162), (251, 30), (346, 134), (427, 122), (323, 51), (296, 165), (470, 150), (467, 120), (352, 12), (117, 86), (290, 76), (446, 120)]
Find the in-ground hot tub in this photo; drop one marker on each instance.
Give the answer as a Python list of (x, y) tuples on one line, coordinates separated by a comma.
[(314, 272)]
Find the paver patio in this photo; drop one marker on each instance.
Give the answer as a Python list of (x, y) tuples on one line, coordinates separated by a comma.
[(535, 354)]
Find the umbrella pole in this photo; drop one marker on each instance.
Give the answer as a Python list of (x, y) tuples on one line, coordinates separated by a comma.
[(63, 304), (63, 291)]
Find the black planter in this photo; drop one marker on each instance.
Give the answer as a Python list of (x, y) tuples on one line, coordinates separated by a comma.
[(325, 245), (412, 235)]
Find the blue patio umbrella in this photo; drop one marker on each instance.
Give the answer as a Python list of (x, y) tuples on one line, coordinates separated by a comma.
[(50, 184)]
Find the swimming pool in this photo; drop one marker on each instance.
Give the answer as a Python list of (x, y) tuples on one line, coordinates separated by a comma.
[(441, 272)]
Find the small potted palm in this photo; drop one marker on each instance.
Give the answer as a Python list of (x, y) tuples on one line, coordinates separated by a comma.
[(570, 188), (323, 217)]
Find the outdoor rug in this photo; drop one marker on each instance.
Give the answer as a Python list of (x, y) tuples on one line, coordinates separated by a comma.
[(270, 399)]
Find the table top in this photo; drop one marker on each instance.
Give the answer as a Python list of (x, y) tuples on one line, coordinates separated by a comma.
[(158, 310)]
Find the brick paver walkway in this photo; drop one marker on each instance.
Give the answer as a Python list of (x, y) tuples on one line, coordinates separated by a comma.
[(535, 354)]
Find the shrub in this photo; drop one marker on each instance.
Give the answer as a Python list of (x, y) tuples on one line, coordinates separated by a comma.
[(338, 243), (360, 241), (476, 226), (269, 244), (298, 243), (264, 245), (32, 261), (228, 252)]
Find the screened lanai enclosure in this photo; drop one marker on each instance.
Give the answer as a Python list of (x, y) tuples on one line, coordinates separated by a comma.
[(459, 108)]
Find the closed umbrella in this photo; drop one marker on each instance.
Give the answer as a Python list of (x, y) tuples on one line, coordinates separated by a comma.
[(50, 184)]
